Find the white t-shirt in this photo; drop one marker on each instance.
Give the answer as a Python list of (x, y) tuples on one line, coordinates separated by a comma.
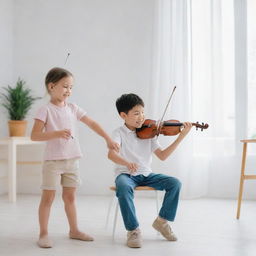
[(59, 118), (135, 150)]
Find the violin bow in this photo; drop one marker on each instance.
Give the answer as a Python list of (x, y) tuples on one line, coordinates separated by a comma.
[(64, 65), (66, 59), (167, 105)]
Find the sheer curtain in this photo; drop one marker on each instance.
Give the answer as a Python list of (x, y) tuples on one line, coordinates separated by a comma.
[(194, 50)]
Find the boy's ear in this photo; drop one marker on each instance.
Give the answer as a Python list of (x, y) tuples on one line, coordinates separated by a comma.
[(123, 115)]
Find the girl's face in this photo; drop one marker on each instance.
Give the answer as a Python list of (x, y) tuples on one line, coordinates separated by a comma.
[(61, 90)]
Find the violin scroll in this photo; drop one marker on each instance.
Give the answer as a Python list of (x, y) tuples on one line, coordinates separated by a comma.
[(201, 126)]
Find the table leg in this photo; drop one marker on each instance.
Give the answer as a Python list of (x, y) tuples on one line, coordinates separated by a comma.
[(12, 170), (241, 186)]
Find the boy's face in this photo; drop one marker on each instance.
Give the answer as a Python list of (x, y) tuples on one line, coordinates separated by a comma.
[(134, 118)]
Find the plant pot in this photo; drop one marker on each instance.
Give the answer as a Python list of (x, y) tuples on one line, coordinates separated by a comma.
[(17, 128)]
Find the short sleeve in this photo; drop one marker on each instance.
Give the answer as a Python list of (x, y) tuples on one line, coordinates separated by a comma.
[(41, 114), (116, 136), (79, 112), (155, 144)]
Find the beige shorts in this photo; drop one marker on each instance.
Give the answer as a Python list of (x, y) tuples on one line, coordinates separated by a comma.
[(64, 172)]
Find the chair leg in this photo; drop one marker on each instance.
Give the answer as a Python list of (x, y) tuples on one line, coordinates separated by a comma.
[(241, 181), (109, 210), (157, 203), (157, 206), (115, 220)]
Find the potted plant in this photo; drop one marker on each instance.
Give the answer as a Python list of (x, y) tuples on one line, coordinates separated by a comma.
[(17, 101)]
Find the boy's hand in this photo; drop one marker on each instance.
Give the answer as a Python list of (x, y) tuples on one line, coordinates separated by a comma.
[(113, 145), (133, 167), (65, 134), (186, 129)]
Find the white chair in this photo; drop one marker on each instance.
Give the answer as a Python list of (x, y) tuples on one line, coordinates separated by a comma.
[(138, 188)]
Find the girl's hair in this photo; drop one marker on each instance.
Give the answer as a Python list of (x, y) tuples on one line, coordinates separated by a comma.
[(55, 75)]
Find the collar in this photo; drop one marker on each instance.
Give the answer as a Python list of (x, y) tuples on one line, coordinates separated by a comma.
[(56, 106), (127, 130)]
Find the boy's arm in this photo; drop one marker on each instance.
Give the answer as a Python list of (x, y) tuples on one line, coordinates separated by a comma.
[(116, 158), (98, 129), (164, 154), (38, 133)]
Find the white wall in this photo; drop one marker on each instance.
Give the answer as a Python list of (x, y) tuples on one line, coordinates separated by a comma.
[(111, 52), (6, 70), (110, 46), (6, 51)]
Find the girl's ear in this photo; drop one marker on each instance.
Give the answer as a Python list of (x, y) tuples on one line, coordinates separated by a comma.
[(50, 86)]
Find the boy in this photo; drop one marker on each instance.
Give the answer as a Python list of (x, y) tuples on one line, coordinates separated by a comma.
[(133, 169)]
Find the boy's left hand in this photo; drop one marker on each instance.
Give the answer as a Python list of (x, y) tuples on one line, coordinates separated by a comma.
[(113, 145), (186, 129)]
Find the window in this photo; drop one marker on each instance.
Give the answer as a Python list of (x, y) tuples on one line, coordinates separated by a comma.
[(212, 62), (251, 58)]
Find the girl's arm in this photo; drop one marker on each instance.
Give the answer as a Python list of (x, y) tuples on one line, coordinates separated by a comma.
[(98, 129), (163, 154), (38, 133), (116, 158)]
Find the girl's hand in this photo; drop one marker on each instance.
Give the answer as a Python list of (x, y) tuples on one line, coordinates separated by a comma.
[(186, 129), (113, 145), (65, 134), (133, 167)]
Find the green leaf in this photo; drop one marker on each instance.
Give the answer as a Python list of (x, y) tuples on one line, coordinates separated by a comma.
[(18, 100)]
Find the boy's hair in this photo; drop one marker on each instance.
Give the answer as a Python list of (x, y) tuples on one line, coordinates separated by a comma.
[(55, 75), (127, 101)]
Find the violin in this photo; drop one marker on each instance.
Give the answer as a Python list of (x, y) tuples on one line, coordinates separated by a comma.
[(150, 128)]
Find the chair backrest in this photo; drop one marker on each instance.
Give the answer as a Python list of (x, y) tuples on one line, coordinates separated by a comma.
[(142, 188)]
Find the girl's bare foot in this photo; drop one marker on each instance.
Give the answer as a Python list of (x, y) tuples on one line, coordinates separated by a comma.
[(44, 242), (80, 236)]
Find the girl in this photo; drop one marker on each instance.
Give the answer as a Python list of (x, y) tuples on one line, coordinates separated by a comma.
[(56, 124)]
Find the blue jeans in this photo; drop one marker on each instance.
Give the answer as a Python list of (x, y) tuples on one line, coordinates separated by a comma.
[(125, 185)]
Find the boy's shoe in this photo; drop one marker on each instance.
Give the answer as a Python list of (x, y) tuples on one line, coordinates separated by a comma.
[(134, 239), (44, 242), (164, 228)]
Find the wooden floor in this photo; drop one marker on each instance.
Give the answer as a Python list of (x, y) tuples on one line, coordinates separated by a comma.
[(204, 227)]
